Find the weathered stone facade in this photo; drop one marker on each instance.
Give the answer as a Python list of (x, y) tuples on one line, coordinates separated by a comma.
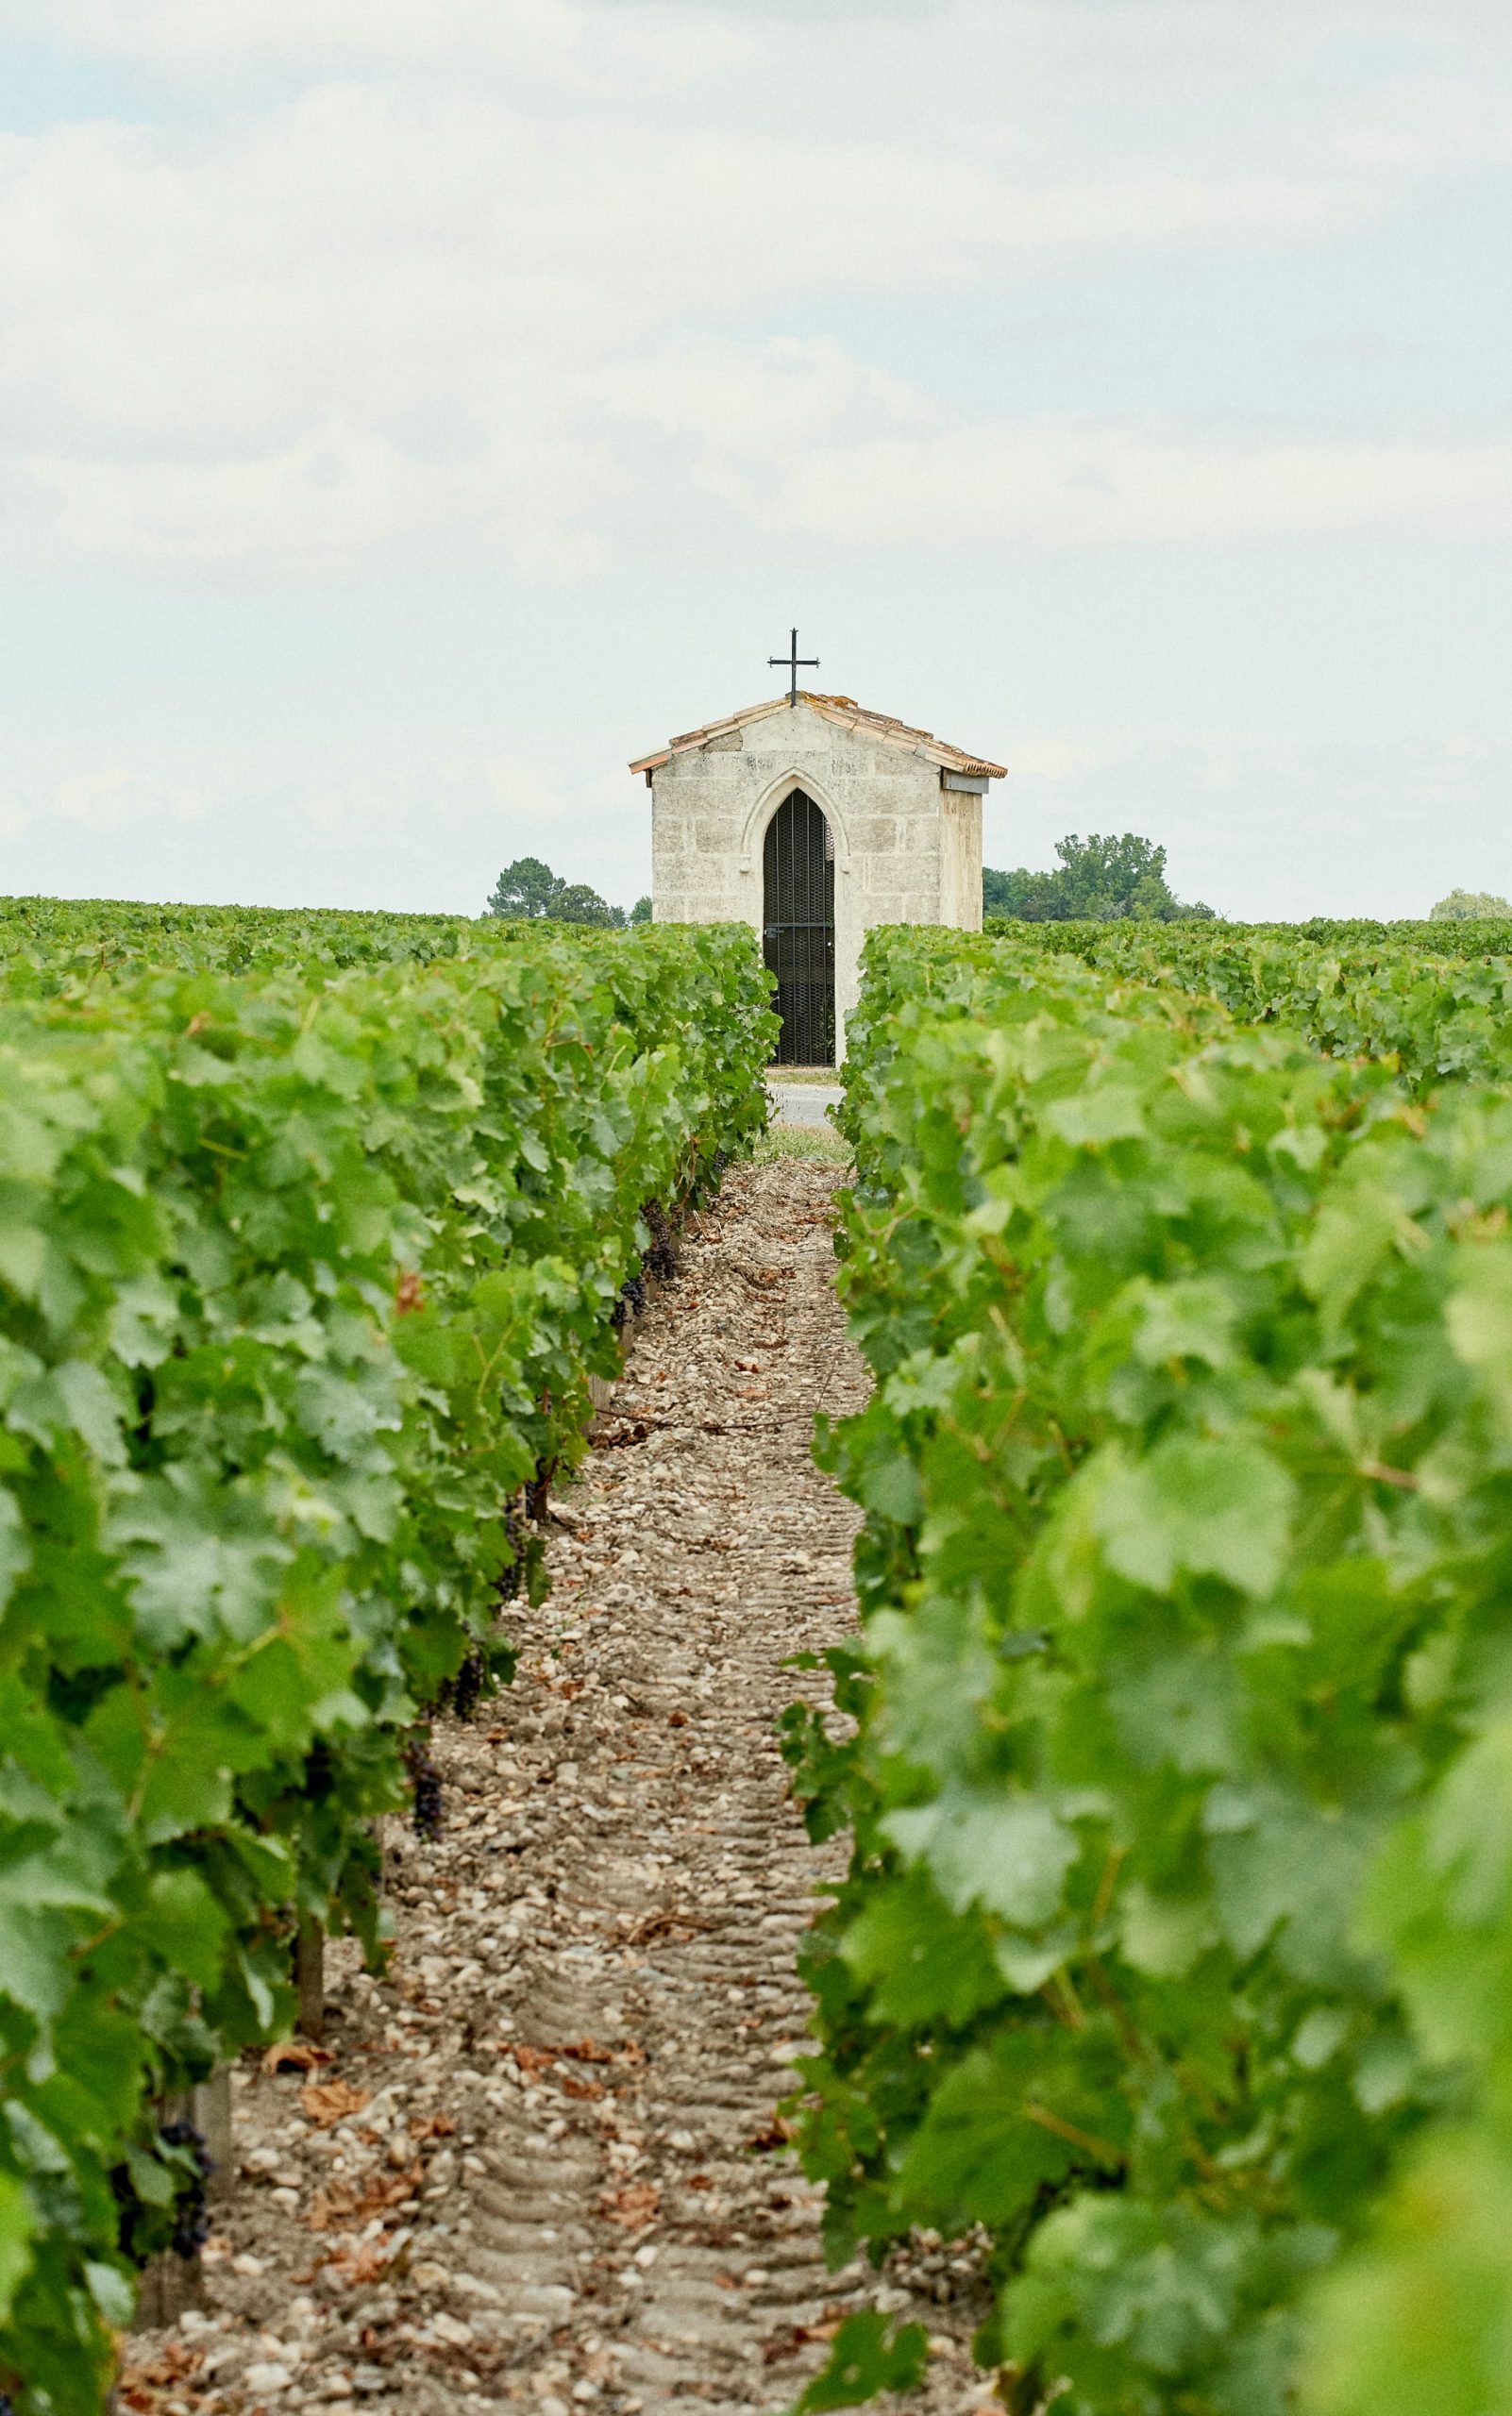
[(904, 813)]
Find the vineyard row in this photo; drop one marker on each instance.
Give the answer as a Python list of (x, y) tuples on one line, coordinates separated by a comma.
[(305, 1268), (1176, 1943), (1435, 997)]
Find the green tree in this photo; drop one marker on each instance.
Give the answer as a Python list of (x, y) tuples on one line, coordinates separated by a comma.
[(525, 889), (528, 891), (1468, 906), (577, 903), (641, 911), (1100, 879)]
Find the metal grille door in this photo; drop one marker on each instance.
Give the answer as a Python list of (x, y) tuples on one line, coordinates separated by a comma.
[(799, 930)]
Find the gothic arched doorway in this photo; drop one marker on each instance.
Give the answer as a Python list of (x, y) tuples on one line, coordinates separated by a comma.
[(797, 930)]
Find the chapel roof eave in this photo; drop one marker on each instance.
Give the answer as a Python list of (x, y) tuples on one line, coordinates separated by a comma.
[(847, 715)]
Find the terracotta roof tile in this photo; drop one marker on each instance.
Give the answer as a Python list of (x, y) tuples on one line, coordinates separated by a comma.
[(847, 715)]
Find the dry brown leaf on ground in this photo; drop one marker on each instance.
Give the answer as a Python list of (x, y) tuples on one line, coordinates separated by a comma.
[(582, 2050), (634, 2205), (346, 2205), (431, 2126), (666, 1924), (358, 2266), (787, 2344), (371, 2260), (295, 2056), (776, 2135), (327, 2102), (171, 2368)]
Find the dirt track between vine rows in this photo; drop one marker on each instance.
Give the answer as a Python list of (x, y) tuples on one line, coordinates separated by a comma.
[(540, 2166)]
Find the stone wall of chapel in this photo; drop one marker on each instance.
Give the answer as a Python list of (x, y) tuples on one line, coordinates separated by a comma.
[(961, 859), (898, 855)]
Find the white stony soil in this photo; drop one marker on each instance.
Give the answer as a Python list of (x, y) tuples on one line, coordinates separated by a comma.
[(560, 2181)]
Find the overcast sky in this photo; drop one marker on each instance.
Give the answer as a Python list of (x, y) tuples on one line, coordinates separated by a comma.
[(412, 409)]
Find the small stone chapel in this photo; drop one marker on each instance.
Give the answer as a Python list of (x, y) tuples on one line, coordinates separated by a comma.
[(813, 819)]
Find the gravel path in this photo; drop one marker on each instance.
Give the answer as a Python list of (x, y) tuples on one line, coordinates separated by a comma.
[(542, 2165)]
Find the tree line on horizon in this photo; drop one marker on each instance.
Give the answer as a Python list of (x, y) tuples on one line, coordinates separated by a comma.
[(528, 891), (1108, 880), (1097, 880)]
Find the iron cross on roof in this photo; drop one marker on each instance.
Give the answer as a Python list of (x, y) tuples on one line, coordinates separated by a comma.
[(793, 662)]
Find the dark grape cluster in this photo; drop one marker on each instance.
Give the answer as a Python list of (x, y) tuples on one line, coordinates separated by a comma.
[(191, 2223), (630, 1302), (467, 1687), (129, 2204), (426, 1790), (508, 1580), (145, 2230), (527, 1549), (661, 1259), (710, 1177)]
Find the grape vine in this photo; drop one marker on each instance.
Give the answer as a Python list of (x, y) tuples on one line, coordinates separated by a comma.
[(1439, 1002), (1177, 1780), (312, 1231)]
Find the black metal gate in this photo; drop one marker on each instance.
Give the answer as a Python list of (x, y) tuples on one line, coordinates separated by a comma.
[(799, 930)]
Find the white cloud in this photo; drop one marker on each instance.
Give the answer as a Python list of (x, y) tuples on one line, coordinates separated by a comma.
[(693, 301), (108, 801), (121, 800), (799, 439), (432, 838), (374, 319), (301, 33), (450, 285), (1427, 124), (374, 32)]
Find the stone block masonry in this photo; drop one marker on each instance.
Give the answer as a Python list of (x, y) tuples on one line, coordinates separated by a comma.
[(903, 812)]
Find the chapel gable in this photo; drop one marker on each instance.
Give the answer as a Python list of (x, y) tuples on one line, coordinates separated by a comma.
[(814, 819)]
